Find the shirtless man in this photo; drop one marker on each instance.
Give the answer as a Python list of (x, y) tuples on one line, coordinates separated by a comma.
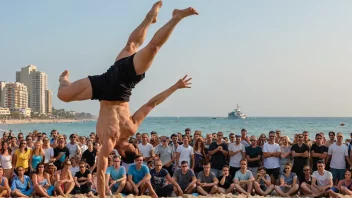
[(113, 88)]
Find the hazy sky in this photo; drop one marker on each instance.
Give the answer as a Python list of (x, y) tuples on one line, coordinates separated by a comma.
[(275, 58)]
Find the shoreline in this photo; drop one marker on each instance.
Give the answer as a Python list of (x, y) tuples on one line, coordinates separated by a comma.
[(42, 121)]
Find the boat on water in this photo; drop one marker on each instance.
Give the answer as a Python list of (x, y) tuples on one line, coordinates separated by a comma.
[(237, 114)]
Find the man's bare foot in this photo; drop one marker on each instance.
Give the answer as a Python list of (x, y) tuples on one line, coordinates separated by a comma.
[(64, 79), (180, 14), (153, 13)]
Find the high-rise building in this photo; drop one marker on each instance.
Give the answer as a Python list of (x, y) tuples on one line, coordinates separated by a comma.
[(48, 102), (37, 84), (2, 94), (16, 95)]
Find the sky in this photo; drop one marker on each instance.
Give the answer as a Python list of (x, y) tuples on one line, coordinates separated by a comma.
[(274, 58)]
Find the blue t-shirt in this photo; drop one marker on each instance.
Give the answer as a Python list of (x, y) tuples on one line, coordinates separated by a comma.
[(288, 180), (138, 175), (158, 179), (26, 188), (116, 174), (240, 177)]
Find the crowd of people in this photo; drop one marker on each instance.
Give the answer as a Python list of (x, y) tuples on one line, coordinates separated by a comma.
[(48, 165)]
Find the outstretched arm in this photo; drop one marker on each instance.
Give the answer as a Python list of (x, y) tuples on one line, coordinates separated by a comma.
[(142, 113)]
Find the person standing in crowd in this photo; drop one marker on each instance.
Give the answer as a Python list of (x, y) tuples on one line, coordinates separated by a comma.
[(208, 141), (321, 180), (253, 155), (225, 184), (200, 156), (207, 181), (188, 134), (286, 153), (244, 179), (139, 177), (338, 156), (21, 157), (30, 143), (185, 178), (89, 156), (262, 140), (116, 177), (13, 145), (74, 165), (331, 139), (306, 139), (61, 153), (6, 161), (48, 151), (146, 149), (300, 154), (318, 151), (244, 138), (237, 151), (218, 151), (185, 152), (161, 180), (262, 183), (37, 156), (129, 153), (288, 182), (73, 147), (174, 142), (271, 155), (166, 154), (83, 144), (278, 137)]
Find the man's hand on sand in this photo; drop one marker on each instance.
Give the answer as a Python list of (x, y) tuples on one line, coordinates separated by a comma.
[(184, 83)]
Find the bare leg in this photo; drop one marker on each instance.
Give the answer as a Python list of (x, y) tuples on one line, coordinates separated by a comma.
[(279, 191), (40, 191), (202, 191), (306, 189), (293, 190), (269, 190), (69, 186), (137, 37), (230, 190), (214, 189), (258, 189), (190, 190), (76, 91), (240, 189), (144, 58), (221, 190), (121, 187)]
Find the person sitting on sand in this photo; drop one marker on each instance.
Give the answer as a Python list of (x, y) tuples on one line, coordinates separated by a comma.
[(288, 182), (83, 180), (306, 182), (51, 170), (139, 178), (64, 180), (185, 178), (207, 181), (321, 180), (161, 180), (225, 181), (262, 183), (344, 186), (244, 179), (5, 189), (22, 185), (116, 177), (41, 182)]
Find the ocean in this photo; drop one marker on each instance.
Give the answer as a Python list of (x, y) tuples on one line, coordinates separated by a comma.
[(168, 125)]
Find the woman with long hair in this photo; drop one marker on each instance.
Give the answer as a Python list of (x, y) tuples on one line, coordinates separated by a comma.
[(288, 182), (127, 155), (344, 186), (285, 153), (6, 161), (21, 157), (262, 140), (41, 182), (64, 180), (37, 156), (48, 151), (199, 155)]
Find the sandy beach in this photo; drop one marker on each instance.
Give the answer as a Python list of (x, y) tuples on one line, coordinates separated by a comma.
[(41, 121)]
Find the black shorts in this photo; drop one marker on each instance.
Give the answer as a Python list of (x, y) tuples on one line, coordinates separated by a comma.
[(273, 171), (117, 82)]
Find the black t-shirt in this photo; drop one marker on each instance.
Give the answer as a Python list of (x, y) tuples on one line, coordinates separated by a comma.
[(318, 149), (218, 159), (299, 162), (85, 174), (57, 151), (227, 183), (89, 157), (253, 153), (158, 179)]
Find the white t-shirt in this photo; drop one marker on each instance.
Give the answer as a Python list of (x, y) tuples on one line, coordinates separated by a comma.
[(83, 148), (185, 154), (6, 161), (145, 149), (74, 170), (322, 180), (73, 149), (338, 154), (271, 162), (235, 159), (49, 152)]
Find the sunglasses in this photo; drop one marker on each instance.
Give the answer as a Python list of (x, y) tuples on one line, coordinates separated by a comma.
[(306, 170), (82, 167)]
